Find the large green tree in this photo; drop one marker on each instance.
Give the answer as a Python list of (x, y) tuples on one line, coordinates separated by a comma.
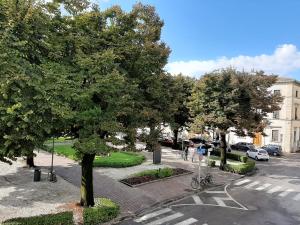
[(26, 108), (182, 115), (229, 98)]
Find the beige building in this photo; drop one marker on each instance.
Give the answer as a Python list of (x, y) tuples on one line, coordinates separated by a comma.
[(284, 128)]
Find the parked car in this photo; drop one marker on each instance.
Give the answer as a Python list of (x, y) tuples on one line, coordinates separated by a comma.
[(274, 150), (166, 141), (242, 146), (258, 154), (216, 144)]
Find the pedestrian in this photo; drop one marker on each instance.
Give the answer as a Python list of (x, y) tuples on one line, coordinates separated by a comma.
[(201, 151), (194, 152), (186, 152)]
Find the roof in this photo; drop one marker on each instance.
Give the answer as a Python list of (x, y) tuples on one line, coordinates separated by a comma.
[(287, 80)]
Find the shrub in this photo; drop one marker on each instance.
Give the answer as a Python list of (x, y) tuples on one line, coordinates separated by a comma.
[(103, 211), (212, 163), (159, 173), (165, 172), (241, 168), (233, 156), (119, 160), (64, 218)]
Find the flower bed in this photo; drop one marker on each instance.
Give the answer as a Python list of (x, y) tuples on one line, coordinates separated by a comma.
[(149, 176)]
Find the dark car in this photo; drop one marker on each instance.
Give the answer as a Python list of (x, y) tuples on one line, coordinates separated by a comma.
[(166, 141), (275, 150), (242, 146)]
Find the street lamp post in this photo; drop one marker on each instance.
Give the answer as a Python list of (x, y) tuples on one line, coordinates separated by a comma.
[(51, 174)]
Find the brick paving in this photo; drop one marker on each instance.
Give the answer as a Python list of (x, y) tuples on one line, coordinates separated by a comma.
[(133, 200)]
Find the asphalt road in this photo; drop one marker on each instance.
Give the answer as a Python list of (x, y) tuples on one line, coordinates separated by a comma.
[(270, 197)]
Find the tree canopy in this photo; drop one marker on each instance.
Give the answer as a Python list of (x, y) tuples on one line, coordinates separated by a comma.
[(230, 98)]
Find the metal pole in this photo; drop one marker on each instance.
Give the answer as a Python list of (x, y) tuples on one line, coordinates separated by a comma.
[(51, 171), (199, 169)]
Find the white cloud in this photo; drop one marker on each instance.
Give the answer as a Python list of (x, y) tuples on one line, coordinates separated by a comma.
[(285, 59)]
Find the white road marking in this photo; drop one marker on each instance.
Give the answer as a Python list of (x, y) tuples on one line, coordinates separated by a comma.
[(151, 215), (263, 187), (274, 189), (165, 219), (187, 222), (285, 193), (220, 201), (297, 197), (252, 184), (242, 182), (215, 192), (197, 200)]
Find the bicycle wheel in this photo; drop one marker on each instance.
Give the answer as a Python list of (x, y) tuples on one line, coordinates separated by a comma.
[(208, 179), (194, 184)]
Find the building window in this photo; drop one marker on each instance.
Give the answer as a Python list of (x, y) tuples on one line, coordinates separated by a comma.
[(275, 135), (276, 92), (276, 115), (296, 113), (296, 94)]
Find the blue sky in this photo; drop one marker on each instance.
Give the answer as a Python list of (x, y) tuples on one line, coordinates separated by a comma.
[(211, 34)]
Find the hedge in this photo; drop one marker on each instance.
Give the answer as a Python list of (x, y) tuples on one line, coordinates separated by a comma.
[(245, 167), (103, 211), (158, 173), (233, 156), (119, 160), (63, 218), (242, 168)]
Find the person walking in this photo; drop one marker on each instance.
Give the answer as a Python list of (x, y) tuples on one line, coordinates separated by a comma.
[(186, 152)]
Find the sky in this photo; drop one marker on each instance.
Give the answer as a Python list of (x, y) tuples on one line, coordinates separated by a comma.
[(205, 35)]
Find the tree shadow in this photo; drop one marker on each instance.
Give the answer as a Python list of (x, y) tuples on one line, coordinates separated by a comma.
[(20, 196)]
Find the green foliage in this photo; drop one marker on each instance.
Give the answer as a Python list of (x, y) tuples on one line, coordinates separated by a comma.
[(119, 159), (233, 156), (103, 211), (159, 173), (241, 168), (229, 98), (65, 150), (212, 163), (64, 218)]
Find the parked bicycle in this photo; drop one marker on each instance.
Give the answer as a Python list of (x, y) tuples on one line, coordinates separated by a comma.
[(204, 181)]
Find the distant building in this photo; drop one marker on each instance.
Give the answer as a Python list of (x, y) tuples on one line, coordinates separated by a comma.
[(284, 128)]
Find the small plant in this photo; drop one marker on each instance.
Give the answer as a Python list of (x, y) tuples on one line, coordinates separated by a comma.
[(103, 211), (212, 163)]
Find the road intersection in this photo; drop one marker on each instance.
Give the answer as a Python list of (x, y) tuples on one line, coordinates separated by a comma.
[(271, 197)]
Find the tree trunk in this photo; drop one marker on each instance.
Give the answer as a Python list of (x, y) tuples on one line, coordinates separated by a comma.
[(175, 143), (223, 150), (86, 189), (130, 139), (30, 161)]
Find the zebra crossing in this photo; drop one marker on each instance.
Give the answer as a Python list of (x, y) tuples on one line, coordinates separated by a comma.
[(165, 216), (269, 188)]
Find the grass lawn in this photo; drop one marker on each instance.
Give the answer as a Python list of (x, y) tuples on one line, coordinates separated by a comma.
[(59, 140), (65, 150), (116, 159), (119, 159)]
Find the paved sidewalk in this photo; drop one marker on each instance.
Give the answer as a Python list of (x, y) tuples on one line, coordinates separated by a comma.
[(21, 197), (133, 200)]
